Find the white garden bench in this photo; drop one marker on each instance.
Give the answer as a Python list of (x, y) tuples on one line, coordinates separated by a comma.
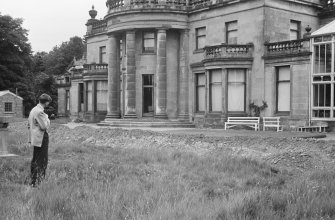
[(252, 122), (272, 122)]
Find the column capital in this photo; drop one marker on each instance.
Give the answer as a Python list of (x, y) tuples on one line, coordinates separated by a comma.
[(162, 29), (111, 35), (186, 30)]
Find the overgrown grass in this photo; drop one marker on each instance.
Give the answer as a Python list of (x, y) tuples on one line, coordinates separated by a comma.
[(89, 182)]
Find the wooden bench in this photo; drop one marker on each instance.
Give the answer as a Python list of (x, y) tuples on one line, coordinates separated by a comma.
[(252, 122), (318, 128), (272, 122)]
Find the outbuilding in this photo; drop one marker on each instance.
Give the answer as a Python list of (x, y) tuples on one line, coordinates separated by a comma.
[(11, 104)]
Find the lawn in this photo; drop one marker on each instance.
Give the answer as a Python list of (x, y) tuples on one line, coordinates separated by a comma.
[(123, 180)]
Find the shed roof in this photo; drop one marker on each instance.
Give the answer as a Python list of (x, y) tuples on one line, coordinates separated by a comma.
[(327, 29), (4, 92)]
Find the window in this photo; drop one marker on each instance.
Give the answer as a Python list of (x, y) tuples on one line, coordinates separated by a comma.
[(67, 79), (103, 55), (231, 32), (121, 49), (236, 90), (322, 58), (81, 96), (89, 95), (200, 92), (323, 79), (67, 98), (148, 42), (215, 90), (8, 107), (102, 91), (200, 37), (295, 29), (283, 89)]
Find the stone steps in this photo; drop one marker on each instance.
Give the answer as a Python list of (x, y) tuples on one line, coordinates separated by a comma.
[(145, 123)]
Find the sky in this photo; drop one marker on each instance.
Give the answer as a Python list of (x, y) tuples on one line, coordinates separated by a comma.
[(51, 22)]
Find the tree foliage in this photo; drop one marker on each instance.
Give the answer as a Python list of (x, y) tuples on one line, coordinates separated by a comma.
[(58, 60), (15, 51), (32, 74)]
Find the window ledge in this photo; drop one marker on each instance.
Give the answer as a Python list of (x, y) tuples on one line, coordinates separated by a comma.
[(282, 113), (148, 53), (198, 51)]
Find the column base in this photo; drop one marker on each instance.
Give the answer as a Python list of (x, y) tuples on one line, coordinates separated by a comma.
[(130, 115), (161, 115), (113, 115), (183, 117)]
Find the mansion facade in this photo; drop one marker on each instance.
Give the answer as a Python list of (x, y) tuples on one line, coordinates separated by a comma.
[(201, 61)]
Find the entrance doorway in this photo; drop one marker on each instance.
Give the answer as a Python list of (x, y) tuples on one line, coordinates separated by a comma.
[(148, 95)]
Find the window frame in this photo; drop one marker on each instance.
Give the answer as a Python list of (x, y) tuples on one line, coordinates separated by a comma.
[(277, 93), (197, 86), (6, 107), (101, 53), (143, 42), (245, 91), (210, 85), (298, 31), (232, 30), (197, 36), (67, 101)]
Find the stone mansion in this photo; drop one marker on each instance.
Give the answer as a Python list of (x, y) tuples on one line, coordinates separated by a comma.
[(201, 61)]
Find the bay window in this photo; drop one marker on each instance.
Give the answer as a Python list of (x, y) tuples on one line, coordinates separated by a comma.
[(283, 89), (200, 92), (102, 88), (215, 90), (236, 90)]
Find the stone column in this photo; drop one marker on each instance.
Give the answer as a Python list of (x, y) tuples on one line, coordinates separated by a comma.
[(130, 77), (183, 76), (85, 97), (94, 97), (113, 107), (161, 77)]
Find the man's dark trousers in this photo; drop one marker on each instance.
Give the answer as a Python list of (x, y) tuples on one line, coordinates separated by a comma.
[(39, 162)]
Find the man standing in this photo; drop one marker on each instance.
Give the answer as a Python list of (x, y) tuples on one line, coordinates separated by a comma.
[(38, 124)]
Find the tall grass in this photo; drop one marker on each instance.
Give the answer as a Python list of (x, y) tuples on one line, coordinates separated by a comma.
[(89, 182)]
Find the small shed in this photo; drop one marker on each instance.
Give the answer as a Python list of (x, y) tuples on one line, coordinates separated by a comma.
[(11, 104)]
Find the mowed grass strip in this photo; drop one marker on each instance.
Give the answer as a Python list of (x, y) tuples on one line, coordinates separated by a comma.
[(90, 182)]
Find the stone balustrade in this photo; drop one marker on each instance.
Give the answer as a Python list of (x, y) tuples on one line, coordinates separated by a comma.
[(100, 66), (98, 27), (95, 68), (119, 5), (228, 51), (287, 47)]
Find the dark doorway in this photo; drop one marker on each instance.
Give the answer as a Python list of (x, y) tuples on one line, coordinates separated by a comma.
[(148, 95)]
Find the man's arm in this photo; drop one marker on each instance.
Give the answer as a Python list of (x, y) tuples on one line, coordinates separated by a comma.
[(43, 121), (29, 132)]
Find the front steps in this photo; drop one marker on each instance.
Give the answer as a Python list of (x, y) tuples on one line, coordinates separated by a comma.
[(154, 123)]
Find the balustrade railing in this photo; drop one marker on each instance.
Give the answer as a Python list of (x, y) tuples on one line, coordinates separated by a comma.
[(228, 50), (100, 66), (98, 27), (115, 4), (287, 46)]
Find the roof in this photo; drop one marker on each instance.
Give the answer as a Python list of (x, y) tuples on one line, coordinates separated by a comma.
[(327, 29), (2, 93)]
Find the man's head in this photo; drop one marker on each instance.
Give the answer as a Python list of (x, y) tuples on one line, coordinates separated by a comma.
[(45, 100)]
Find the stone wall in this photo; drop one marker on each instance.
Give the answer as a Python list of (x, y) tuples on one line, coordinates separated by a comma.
[(93, 48)]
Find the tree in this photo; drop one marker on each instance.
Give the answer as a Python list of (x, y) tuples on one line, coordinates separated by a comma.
[(15, 52), (59, 59)]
